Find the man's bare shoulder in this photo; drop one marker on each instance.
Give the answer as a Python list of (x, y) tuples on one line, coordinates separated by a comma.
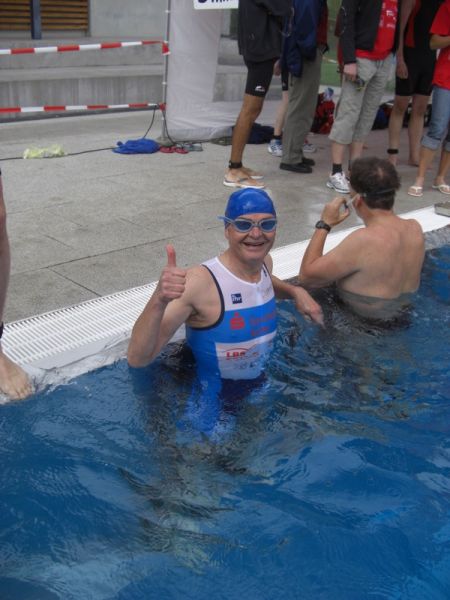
[(355, 238), (414, 226), (198, 276), (202, 295)]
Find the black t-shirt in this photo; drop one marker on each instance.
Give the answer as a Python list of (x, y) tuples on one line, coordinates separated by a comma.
[(417, 34)]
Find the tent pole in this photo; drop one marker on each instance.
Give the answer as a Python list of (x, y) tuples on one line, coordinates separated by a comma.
[(164, 139)]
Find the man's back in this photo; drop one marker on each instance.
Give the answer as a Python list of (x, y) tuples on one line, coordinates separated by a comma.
[(389, 256)]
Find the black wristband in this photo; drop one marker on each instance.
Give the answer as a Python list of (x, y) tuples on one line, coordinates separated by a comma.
[(392, 150), (322, 225), (234, 165), (2, 326)]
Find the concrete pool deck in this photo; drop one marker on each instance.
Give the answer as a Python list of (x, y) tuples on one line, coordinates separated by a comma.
[(89, 225)]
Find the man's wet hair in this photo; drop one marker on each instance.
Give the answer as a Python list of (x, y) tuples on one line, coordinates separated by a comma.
[(376, 180)]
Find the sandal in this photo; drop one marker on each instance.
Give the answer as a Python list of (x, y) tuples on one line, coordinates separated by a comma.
[(444, 188), (243, 183), (192, 146), (172, 149), (252, 174), (415, 190)]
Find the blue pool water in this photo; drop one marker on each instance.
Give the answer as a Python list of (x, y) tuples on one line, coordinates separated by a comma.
[(330, 479)]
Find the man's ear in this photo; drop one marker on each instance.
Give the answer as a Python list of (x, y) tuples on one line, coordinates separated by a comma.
[(356, 200)]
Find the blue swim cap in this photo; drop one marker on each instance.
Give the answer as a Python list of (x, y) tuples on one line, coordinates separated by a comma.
[(249, 200)]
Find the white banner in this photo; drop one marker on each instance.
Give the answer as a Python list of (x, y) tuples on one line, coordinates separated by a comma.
[(199, 4)]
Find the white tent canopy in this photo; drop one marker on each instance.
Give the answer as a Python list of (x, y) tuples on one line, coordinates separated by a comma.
[(194, 37)]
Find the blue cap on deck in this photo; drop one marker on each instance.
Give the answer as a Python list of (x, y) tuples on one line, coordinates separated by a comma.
[(247, 201)]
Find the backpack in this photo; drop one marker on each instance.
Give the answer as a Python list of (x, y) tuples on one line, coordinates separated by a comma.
[(260, 134), (324, 115)]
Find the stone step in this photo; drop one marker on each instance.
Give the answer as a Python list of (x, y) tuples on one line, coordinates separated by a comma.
[(134, 55), (120, 84)]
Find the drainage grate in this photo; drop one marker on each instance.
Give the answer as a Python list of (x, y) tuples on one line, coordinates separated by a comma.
[(69, 334)]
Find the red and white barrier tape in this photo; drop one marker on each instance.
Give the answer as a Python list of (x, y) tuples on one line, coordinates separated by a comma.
[(79, 47), (34, 109)]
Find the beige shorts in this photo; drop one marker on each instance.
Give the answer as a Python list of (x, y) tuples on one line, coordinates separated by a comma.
[(357, 108)]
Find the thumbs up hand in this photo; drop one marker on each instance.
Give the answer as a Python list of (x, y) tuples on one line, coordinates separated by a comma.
[(172, 282)]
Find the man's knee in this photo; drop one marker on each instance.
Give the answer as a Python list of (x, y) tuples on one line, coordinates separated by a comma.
[(420, 105), (400, 105), (251, 107)]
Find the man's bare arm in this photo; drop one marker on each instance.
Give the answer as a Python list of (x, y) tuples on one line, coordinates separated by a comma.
[(312, 271), (439, 41), (405, 12), (167, 309), (305, 303), (319, 270)]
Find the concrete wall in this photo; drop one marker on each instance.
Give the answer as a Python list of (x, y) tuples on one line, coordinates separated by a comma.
[(128, 18)]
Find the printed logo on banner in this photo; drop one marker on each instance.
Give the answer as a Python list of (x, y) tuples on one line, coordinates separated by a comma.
[(198, 4)]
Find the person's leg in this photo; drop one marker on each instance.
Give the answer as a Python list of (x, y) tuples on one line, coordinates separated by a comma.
[(301, 109), (275, 145), (348, 115), (280, 117), (395, 126), (258, 81), (444, 166), (437, 129), (251, 108), (375, 75), (415, 127), (13, 380), (425, 159)]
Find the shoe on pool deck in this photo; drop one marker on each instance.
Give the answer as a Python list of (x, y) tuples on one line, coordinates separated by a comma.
[(275, 148), (309, 148), (296, 167), (338, 182)]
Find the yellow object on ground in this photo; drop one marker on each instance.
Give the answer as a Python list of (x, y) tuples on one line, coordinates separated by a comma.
[(48, 152)]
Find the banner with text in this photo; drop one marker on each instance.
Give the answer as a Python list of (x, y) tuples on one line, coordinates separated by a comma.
[(199, 4)]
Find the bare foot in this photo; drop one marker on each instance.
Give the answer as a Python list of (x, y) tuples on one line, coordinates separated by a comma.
[(14, 381), (412, 162), (392, 158)]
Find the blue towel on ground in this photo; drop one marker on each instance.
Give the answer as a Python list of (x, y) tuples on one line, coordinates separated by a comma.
[(141, 146)]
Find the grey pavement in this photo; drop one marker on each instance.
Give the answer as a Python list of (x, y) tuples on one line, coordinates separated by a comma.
[(97, 223)]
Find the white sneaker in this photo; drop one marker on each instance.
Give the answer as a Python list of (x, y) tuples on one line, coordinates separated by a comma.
[(275, 148), (309, 148), (338, 182)]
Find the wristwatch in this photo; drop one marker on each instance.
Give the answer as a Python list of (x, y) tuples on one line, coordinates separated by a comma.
[(322, 225)]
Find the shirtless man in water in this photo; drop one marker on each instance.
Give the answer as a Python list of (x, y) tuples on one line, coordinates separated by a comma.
[(377, 266), (13, 380)]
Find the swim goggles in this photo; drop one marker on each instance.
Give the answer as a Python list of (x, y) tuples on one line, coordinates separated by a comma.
[(243, 225)]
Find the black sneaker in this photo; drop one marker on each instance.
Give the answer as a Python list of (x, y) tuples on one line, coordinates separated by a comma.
[(296, 168), (308, 161)]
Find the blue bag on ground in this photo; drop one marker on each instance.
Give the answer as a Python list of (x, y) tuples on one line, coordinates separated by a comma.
[(141, 146)]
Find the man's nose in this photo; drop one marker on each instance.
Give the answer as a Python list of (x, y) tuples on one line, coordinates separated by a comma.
[(255, 231)]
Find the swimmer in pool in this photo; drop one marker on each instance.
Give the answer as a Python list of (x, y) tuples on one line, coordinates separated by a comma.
[(377, 267), (227, 303)]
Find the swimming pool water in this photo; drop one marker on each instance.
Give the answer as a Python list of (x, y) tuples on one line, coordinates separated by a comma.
[(329, 479)]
